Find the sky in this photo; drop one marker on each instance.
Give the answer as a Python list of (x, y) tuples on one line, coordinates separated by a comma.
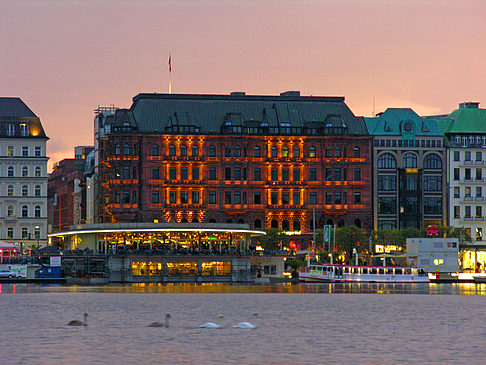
[(66, 58)]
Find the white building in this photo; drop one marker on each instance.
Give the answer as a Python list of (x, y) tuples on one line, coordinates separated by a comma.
[(434, 254), (23, 174), (465, 133)]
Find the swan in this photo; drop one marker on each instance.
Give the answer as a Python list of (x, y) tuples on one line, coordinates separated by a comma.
[(77, 322), (211, 324), (159, 324), (246, 325)]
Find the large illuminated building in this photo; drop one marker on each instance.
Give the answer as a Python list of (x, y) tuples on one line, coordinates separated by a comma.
[(23, 173), (267, 161), (409, 172)]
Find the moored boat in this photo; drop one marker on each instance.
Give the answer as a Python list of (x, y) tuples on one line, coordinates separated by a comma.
[(367, 274)]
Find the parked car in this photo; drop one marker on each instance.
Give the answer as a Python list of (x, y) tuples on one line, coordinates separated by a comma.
[(5, 273)]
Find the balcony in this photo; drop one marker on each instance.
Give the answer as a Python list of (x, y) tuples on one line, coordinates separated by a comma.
[(468, 199), (479, 219), (479, 199)]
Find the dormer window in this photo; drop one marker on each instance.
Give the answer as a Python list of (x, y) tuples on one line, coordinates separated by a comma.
[(24, 129), (10, 130), (408, 127)]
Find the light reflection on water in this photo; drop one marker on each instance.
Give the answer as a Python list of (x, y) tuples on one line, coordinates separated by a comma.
[(308, 327)]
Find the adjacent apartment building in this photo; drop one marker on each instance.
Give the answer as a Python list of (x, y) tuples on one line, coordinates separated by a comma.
[(409, 170), (23, 174), (267, 161)]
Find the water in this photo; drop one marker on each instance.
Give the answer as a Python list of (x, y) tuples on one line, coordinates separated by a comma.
[(297, 324)]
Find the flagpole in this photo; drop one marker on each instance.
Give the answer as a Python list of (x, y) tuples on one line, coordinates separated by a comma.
[(170, 73)]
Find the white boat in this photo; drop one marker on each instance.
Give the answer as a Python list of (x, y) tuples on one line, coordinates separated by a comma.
[(365, 274)]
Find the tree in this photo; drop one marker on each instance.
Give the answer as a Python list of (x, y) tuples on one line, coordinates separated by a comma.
[(350, 237), (273, 240)]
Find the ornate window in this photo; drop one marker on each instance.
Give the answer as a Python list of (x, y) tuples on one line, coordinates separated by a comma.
[(356, 152), (237, 152), (296, 152), (256, 151), (37, 211), (312, 152), (212, 151), (155, 150), (410, 160), (183, 150), (387, 161), (195, 151), (273, 152), (25, 211), (432, 161), (285, 152), (172, 150)]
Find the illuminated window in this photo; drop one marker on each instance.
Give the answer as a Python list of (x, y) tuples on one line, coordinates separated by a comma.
[(312, 152), (10, 151), (10, 190), (285, 152), (24, 129), (10, 211)]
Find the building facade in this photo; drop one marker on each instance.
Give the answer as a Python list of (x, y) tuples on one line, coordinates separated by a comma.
[(23, 174), (267, 161), (465, 133), (66, 192), (409, 173)]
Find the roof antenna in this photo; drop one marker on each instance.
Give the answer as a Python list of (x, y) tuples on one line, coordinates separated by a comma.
[(170, 73)]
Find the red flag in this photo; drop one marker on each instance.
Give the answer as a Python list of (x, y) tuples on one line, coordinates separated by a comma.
[(170, 66)]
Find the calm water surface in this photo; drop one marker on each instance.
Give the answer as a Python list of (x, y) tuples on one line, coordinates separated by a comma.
[(297, 324)]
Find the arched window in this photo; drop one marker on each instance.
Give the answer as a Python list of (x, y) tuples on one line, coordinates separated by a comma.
[(274, 223), (357, 223), (356, 152), (337, 151), (37, 171), (37, 211), (10, 232), (432, 161), (273, 152), (387, 161), (296, 225), (155, 150), (257, 223), (10, 211), (10, 171), (410, 160), (183, 150), (25, 190), (25, 171), (296, 152), (172, 150), (117, 149), (37, 191), (212, 151), (312, 152), (37, 232), (25, 211), (126, 149), (227, 152), (256, 151), (237, 152), (10, 190), (25, 233), (285, 225), (195, 151), (285, 151)]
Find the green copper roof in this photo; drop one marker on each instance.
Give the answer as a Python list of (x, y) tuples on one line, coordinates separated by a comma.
[(465, 120), (404, 122)]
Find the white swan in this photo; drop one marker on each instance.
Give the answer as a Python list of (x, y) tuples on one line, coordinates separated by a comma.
[(246, 325), (211, 324), (159, 324), (77, 322)]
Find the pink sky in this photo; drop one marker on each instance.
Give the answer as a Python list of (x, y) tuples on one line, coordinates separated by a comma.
[(64, 58)]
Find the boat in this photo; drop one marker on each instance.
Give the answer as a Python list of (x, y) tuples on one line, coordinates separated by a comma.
[(364, 274)]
